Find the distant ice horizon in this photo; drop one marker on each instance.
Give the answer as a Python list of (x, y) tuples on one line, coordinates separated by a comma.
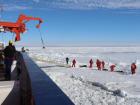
[(84, 44)]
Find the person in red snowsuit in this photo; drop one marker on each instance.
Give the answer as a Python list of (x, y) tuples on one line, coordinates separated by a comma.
[(103, 65), (133, 68), (112, 67), (98, 63), (73, 63), (90, 63)]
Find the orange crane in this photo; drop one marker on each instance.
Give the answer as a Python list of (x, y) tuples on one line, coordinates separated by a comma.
[(19, 26)]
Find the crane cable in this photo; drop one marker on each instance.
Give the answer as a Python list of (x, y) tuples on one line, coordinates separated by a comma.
[(42, 41)]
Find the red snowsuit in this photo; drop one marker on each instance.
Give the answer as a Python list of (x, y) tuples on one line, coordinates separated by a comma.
[(98, 63), (90, 63), (73, 63), (112, 67), (133, 68), (103, 65)]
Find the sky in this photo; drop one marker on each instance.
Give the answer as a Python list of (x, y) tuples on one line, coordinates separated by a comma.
[(75, 21)]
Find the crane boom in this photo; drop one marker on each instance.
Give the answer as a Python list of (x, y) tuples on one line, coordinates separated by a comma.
[(19, 26), (23, 19), (8, 24)]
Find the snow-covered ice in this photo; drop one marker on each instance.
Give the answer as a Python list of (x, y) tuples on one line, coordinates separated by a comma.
[(86, 86)]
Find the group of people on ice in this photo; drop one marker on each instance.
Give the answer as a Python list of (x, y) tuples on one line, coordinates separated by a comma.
[(101, 65)]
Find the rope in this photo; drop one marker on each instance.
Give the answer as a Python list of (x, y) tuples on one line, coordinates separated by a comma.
[(42, 41)]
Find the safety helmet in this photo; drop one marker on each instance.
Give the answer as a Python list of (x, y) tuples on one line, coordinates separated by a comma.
[(10, 42)]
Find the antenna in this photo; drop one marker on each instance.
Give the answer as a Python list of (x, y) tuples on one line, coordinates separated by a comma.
[(1, 10), (1, 28)]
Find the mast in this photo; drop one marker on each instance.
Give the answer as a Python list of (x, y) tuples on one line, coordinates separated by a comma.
[(1, 11)]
